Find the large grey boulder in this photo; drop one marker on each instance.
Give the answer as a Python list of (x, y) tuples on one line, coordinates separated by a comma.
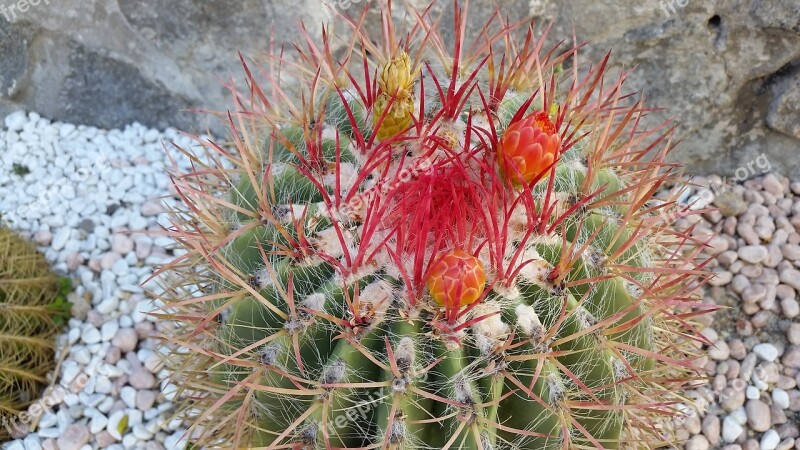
[(729, 72)]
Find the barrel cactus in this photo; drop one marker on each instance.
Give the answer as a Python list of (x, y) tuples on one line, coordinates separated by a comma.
[(422, 247), (33, 309)]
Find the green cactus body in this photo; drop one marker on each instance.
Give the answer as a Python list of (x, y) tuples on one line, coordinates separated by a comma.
[(33, 310), (489, 278)]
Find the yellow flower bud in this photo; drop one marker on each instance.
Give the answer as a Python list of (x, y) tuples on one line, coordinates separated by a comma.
[(396, 78)]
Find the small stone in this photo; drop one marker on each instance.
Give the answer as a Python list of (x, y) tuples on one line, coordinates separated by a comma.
[(720, 351), (754, 293), (697, 442), (74, 260), (121, 268), (727, 258), (737, 349), (144, 246), (784, 291), (98, 423), (717, 245), (104, 439), (770, 440), (145, 399), (753, 254), (721, 278), (81, 355), (61, 238), (791, 277), (91, 335), (113, 355), (108, 260), (791, 252), (125, 339), (731, 430), (746, 232), (766, 351), (108, 306), (43, 238), (141, 378), (109, 330), (14, 445), (780, 398), (762, 318), (176, 440), (790, 308), (793, 334), (771, 184), (791, 358), (74, 437), (16, 121), (103, 385), (128, 395), (32, 442), (151, 208), (117, 424), (730, 204), (121, 244), (752, 393), (774, 257), (711, 429), (732, 398), (758, 415)]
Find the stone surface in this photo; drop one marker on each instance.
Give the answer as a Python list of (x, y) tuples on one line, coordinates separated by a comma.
[(75, 437), (729, 73)]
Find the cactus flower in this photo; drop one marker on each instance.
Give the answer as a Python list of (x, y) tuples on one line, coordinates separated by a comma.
[(529, 149), (457, 280), (393, 110)]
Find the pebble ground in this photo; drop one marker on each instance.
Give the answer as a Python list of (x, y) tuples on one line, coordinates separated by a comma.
[(94, 201), (752, 400)]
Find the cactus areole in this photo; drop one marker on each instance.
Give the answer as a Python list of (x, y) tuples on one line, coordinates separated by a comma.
[(420, 245)]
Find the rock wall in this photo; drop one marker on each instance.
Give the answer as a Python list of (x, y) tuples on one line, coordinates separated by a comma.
[(728, 71)]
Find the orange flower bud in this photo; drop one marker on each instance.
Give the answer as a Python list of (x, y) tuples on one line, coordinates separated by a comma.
[(528, 147), (457, 280)]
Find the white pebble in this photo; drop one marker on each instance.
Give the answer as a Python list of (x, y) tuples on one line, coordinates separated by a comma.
[(176, 440), (61, 238), (81, 354), (32, 442), (114, 423), (766, 351), (752, 393), (90, 334), (108, 330), (780, 398), (770, 440), (731, 429), (16, 120), (98, 423), (128, 395)]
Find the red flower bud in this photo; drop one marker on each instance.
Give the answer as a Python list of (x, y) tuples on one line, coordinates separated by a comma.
[(528, 148)]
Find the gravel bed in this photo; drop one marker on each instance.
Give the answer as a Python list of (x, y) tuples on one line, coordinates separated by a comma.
[(752, 400), (93, 200)]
